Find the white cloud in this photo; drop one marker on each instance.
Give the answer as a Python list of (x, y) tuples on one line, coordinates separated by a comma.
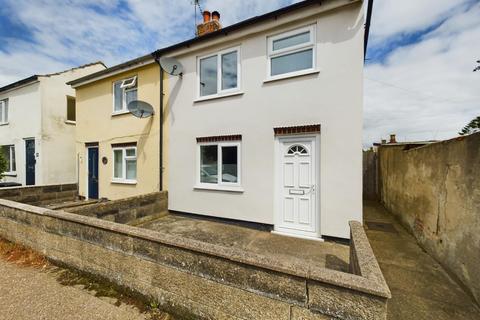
[(426, 90)]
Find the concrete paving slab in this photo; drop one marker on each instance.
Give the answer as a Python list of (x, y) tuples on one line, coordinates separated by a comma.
[(421, 289), (329, 255)]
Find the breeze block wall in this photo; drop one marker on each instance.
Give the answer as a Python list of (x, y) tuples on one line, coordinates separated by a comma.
[(434, 190), (40, 195), (125, 210), (196, 280)]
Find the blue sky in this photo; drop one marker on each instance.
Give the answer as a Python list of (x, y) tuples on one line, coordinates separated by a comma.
[(418, 77)]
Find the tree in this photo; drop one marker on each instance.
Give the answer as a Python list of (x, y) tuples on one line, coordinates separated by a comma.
[(3, 163), (472, 127), (477, 68)]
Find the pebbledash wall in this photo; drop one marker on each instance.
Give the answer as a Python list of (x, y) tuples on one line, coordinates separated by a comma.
[(331, 97), (197, 280), (434, 190)]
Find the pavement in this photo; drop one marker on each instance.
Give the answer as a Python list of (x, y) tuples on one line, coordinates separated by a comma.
[(28, 293), (421, 289)]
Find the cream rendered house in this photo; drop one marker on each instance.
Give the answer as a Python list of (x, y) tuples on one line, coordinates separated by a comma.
[(119, 154), (263, 125), (37, 127)]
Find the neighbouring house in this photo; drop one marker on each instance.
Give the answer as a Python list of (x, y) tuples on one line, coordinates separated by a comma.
[(37, 127), (264, 124), (119, 153)]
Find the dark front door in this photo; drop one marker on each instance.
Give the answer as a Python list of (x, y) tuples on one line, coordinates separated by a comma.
[(93, 173), (30, 162)]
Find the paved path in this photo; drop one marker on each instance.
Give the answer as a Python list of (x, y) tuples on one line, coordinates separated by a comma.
[(421, 289), (32, 294)]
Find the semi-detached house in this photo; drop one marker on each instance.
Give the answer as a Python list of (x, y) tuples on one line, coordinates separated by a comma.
[(263, 125), (37, 127)]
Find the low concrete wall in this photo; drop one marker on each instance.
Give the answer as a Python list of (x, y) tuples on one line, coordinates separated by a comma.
[(434, 190), (198, 280), (40, 195), (125, 210)]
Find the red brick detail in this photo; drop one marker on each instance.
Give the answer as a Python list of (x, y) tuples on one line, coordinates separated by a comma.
[(233, 137), (313, 128), (125, 144)]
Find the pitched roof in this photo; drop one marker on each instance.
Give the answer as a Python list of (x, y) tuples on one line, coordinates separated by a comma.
[(35, 77)]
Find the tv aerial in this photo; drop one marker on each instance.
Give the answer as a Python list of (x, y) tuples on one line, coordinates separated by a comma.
[(140, 109), (171, 66)]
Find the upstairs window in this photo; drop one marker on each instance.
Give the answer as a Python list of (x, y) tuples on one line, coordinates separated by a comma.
[(9, 155), (291, 53), (4, 111), (219, 73), (71, 112), (125, 164), (124, 91)]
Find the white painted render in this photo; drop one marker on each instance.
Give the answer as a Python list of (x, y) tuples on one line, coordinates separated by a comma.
[(331, 97), (39, 110)]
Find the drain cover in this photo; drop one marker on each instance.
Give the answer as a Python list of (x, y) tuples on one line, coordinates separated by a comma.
[(381, 226)]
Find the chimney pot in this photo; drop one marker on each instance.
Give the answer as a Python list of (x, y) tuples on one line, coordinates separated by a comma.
[(393, 138), (216, 15), (384, 141), (206, 16)]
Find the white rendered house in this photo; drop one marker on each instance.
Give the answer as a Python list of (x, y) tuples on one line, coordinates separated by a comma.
[(37, 127), (265, 123)]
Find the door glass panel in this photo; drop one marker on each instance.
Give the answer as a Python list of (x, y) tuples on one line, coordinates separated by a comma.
[(208, 76), (229, 70), (209, 164), (229, 164), (118, 163), (291, 41), (292, 62)]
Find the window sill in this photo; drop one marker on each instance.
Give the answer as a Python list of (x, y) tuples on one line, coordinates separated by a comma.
[(219, 96), (218, 188), (119, 113), (70, 122), (10, 174), (291, 75), (4, 123), (132, 182)]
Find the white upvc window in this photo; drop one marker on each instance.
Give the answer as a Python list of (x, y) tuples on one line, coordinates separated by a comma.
[(219, 73), (291, 53), (9, 155), (124, 91), (219, 165), (4, 111), (125, 164)]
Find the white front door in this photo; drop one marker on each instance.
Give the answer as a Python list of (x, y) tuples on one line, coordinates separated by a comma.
[(297, 187)]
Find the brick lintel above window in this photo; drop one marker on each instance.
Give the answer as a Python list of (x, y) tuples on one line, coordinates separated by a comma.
[(312, 128), (233, 137), (124, 145)]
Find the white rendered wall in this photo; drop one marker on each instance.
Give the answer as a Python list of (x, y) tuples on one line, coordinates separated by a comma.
[(331, 98), (24, 121)]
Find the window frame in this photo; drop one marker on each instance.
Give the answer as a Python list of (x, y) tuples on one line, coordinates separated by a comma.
[(220, 92), (75, 109), (4, 111), (293, 49), (125, 87), (124, 179), (220, 185), (11, 156)]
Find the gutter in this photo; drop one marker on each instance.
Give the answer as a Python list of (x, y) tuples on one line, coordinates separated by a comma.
[(367, 28), (157, 60)]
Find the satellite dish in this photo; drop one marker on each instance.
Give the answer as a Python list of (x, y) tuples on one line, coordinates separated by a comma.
[(171, 66), (140, 109)]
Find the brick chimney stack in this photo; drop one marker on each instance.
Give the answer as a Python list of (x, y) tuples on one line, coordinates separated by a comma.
[(211, 23), (393, 138)]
